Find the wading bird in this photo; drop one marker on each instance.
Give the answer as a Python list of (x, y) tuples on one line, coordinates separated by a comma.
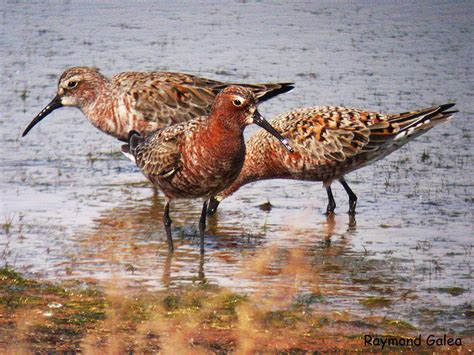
[(143, 102), (330, 142), (200, 157)]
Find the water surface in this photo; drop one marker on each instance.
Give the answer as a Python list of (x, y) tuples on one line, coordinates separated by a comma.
[(74, 208)]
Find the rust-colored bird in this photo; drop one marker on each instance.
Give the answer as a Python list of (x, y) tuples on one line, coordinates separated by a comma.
[(143, 102), (330, 142), (201, 157)]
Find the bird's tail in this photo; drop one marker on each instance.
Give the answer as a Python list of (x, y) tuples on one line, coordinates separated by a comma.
[(403, 127), (134, 139)]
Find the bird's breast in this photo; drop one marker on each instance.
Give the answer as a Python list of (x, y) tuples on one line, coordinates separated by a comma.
[(206, 168)]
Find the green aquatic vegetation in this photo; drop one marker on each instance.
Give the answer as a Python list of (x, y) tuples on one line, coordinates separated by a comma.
[(404, 160), (322, 322), (81, 318), (171, 302), (112, 155), (91, 158), (307, 299), (6, 273), (453, 290), (56, 314), (14, 290), (399, 324), (357, 323), (280, 319), (24, 94), (7, 225), (376, 302), (425, 157), (221, 310), (310, 74), (232, 301), (131, 268), (267, 206)]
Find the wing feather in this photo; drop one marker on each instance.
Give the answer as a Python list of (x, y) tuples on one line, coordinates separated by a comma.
[(160, 154), (170, 98), (401, 128), (324, 133)]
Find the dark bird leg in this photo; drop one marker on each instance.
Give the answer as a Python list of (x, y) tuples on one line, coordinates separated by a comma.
[(352, 222), (201, 275), (352, 196), (329, 229), (167, 222), (166, 278), (331, 203), (213, 204), (202, 225)]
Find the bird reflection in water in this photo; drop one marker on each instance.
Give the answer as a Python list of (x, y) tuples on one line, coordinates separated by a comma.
[(128, 235)]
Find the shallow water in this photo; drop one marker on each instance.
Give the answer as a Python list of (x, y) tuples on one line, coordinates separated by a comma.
[(75, 208)]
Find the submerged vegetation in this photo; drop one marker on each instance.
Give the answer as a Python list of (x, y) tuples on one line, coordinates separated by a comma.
[(42, 316), (39, 316)]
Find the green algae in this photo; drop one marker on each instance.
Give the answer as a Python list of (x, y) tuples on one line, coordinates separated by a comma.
[(280, 319), (57, 315), (453, 290), (209, 315), (376, 302)]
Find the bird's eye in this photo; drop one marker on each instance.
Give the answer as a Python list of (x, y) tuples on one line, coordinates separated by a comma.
[(237, 102), (72, 84)]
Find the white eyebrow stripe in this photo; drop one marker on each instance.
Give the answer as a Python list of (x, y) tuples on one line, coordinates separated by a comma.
[(76, 77)]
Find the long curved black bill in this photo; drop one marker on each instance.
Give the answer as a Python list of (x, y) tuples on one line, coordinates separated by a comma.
[(53, 105), (259, 120)]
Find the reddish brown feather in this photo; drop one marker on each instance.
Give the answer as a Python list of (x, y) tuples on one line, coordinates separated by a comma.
[(147, 101), (330, 142)]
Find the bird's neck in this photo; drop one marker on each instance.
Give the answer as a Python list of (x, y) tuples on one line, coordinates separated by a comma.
[(226, 131), (221, 143), (100, 108), (260, 163)]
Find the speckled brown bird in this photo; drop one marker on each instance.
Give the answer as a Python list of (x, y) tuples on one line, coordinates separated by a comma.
[(143, 102), (201, 157), (330, 142)]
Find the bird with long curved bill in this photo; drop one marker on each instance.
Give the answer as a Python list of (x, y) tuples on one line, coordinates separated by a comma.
[(141, 101)]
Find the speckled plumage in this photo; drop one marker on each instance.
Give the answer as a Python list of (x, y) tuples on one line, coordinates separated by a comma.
[(330, 142), (200, 157), (180, 161), (142, 101)]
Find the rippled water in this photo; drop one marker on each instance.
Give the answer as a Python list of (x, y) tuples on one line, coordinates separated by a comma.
[(75, 208)]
